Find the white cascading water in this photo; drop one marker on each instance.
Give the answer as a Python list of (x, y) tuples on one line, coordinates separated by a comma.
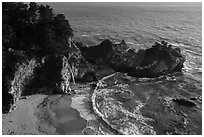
[(66, 73)]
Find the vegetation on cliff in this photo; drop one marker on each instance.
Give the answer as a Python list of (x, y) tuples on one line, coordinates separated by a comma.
[(29, 31), (34, 28)]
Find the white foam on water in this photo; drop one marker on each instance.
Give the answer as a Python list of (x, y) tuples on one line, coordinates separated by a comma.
[(130, 43), (170, 78), (187, 66), (193, 52), (179, 45), (80, 103), (84, 35), (112, 108)]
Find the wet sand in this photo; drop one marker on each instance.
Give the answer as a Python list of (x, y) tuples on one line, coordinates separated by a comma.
[(67, 119), (54, 114)]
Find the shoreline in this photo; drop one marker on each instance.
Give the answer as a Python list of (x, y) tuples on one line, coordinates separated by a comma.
[(49, 114)]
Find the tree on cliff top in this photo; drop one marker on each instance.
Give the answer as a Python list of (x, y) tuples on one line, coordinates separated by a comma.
[(34, 28)]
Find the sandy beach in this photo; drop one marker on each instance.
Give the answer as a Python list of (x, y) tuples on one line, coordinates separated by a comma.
[(46, 114), (22, 120)]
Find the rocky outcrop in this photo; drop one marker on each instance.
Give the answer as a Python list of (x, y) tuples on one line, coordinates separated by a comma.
[(160, 59), (97, 54), (86, 64), (80, 63)]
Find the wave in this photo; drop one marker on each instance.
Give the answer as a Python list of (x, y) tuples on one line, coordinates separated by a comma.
[(193, 52), (84, 35), (117, 116)]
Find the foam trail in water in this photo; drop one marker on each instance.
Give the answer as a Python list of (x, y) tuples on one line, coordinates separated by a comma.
[(117, 116)]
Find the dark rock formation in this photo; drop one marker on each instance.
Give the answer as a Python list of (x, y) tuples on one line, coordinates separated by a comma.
[(158, 60), (45, 77), (97, 54), (85, 72), (184, 102)]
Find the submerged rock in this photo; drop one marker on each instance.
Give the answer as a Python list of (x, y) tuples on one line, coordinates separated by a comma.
[(184, 102)]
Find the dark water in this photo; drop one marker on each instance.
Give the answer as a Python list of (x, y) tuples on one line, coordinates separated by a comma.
[(65, 119), (148, 106), (140, 28), (69, 122)]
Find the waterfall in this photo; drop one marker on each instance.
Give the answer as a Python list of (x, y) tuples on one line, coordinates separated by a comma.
[(67, 74)]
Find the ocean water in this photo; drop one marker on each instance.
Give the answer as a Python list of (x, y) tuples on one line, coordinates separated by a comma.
[(152, 109)]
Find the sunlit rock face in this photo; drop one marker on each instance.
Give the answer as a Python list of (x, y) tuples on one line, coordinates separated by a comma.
[(158, 60)]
